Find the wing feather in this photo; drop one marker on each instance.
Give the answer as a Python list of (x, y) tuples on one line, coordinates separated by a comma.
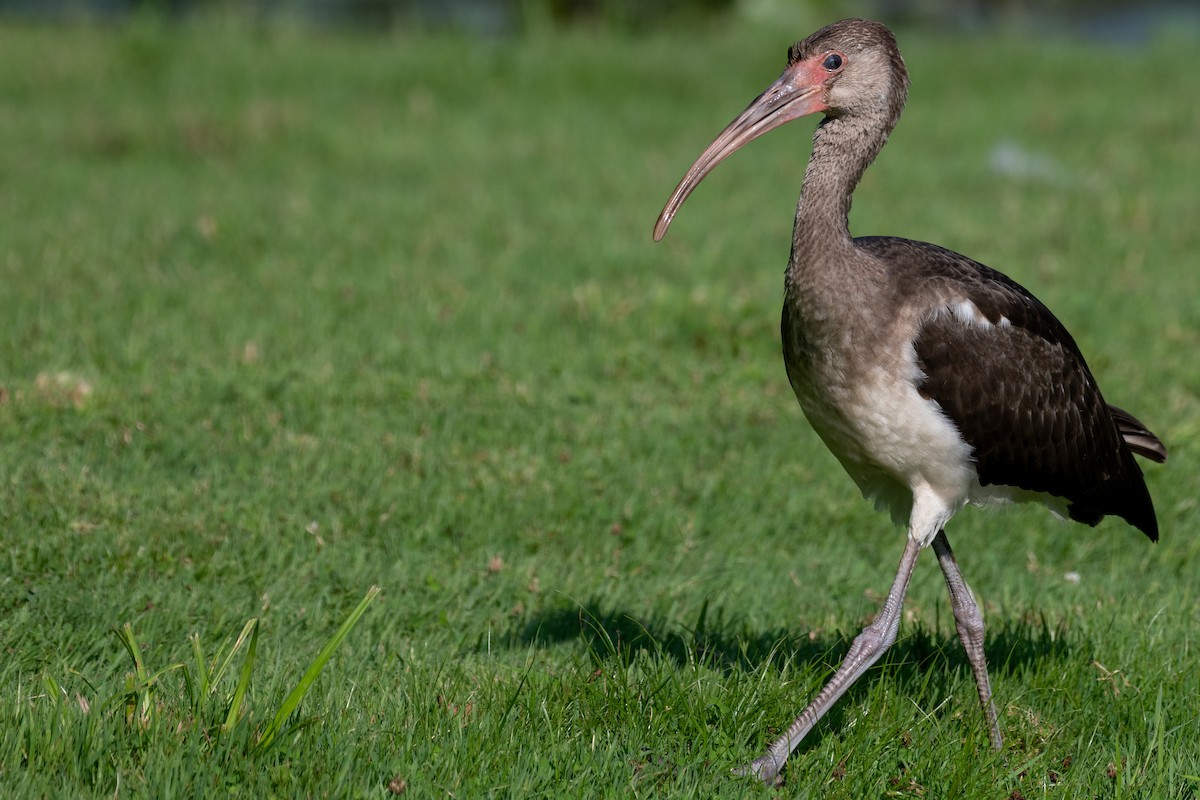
[(1015, 384)]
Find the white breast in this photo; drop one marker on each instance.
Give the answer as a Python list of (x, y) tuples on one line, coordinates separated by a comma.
[(893, 442)]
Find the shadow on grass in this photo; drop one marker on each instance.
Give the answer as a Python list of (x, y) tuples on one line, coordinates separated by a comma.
[(715, 642)]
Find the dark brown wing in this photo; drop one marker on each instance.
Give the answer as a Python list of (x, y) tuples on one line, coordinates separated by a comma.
[(1018, 389)]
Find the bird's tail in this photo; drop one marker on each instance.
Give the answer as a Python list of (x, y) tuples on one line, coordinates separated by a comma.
[(1138, 437)]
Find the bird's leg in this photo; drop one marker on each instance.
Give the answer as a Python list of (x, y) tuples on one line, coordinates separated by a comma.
[(866, 649), (969, 621)]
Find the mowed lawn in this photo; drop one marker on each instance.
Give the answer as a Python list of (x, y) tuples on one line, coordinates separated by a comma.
[(288, 315)]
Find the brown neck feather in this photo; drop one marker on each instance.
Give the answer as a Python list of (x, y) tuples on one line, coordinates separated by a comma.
[(844, 145)]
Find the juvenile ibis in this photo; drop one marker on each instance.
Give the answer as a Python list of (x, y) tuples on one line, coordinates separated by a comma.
[(934, 380)]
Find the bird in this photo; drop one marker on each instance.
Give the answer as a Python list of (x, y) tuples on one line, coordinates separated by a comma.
[(934, 380)]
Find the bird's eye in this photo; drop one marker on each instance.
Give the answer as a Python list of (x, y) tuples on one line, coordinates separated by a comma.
[(832, 62)]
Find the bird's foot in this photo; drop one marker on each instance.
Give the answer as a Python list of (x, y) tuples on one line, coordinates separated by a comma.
[(766, 768)]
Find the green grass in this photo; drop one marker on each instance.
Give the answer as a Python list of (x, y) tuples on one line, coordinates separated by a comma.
[(289, 315)]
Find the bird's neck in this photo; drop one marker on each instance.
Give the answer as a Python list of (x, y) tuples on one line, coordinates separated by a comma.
[(842, 151)]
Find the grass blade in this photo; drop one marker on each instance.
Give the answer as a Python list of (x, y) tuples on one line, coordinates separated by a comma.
[(235, 705), (201, 667), (136, 708), (219, 672), (310, 676), (125, 634)]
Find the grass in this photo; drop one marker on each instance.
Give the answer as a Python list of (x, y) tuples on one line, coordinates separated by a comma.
[(290, 315)]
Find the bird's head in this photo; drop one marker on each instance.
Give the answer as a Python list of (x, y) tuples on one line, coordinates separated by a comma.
[(848, 69)]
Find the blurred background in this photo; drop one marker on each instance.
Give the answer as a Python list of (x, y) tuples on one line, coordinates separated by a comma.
[(1116, 20)]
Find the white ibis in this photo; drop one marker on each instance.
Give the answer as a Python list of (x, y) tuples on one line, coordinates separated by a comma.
[(935, 380)]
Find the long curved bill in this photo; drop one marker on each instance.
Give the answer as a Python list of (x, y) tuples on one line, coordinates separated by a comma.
[(797, 93)]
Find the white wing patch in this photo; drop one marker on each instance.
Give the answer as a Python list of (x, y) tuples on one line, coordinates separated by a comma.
[(967, 312)]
